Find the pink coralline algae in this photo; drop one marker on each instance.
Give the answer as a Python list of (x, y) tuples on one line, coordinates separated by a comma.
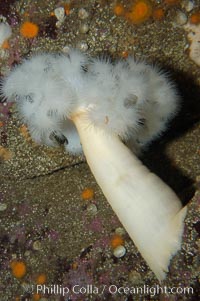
[(82, 274), (4, 116), (53, 235), (96, 225), (24, 209), (19, 234), (102, 242), (5, 110)]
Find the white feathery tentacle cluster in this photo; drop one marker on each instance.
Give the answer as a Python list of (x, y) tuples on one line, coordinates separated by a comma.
[(94, 104), (131, 99)]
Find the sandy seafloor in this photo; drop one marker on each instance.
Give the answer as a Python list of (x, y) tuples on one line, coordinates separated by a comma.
[(44, 220)]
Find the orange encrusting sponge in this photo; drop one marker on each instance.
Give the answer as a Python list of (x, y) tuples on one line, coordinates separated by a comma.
[(29, 30), (116, 241), (158, 14), (140, 11), (195, 18), (172, 2), (41, 278), (18, 268), (87, 194), (118, 10)]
